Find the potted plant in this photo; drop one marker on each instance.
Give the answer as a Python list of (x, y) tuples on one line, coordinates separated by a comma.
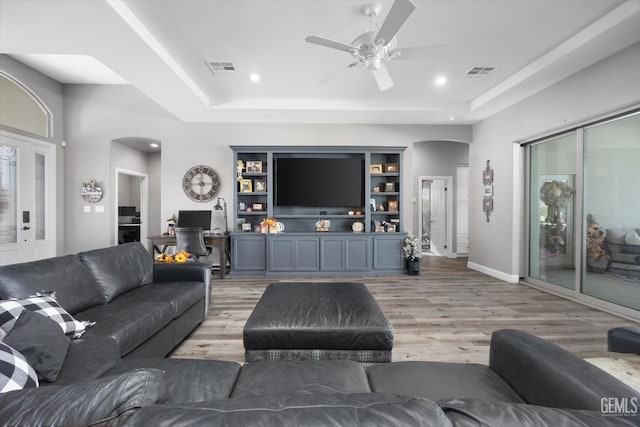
[(412, 253)]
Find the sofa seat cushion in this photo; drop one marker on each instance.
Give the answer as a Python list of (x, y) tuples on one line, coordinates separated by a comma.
[(120, 268), (107, 401), (180, 295), (88, 358), (287, 377), (130, 322), (294, 411), (189, 380), (439, 380), (481, 413), (75, 286)]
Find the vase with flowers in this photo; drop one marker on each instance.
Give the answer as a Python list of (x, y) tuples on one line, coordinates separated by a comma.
[(412, 254)]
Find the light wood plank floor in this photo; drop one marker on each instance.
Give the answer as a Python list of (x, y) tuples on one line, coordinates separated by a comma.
[(446, 314)]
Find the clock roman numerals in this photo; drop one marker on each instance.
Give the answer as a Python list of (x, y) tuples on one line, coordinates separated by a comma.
[(201, 183)]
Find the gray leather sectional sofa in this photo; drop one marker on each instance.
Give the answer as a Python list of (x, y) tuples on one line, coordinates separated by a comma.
[(528, 381)]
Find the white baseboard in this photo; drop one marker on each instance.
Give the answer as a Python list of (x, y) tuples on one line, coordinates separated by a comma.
[(494, 273)]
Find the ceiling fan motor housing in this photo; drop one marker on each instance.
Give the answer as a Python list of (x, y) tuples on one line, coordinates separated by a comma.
[(370, 53)]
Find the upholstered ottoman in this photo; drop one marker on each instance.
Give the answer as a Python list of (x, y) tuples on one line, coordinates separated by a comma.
[(318, 321)]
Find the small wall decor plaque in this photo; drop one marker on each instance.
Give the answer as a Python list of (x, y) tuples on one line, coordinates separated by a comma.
[(91, 191), (487, 181)]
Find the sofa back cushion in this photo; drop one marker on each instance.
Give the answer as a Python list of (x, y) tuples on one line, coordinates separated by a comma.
[(368, 409), (119, 269), (106, 401), (545, 374), (75, 286)]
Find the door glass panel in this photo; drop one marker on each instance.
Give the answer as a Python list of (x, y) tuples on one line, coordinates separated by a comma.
[(426, 216), (552, 207), (8, 194), (40, 231), (611, 258)]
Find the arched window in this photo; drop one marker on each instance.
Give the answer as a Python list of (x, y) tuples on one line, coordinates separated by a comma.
[(21, 109)]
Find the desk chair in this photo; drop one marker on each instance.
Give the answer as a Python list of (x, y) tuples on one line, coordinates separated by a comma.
[(191, 240)]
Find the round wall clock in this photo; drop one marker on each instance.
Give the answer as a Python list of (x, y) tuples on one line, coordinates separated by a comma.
[(201, 183)]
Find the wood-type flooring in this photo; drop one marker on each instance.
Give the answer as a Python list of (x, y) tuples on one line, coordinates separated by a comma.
[(447, 313)]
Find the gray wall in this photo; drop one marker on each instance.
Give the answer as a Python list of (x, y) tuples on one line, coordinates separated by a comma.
[(436, 158), (51, 93), (611, 84)]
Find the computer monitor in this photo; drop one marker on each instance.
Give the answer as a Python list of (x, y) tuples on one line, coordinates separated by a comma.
[(200, 219)]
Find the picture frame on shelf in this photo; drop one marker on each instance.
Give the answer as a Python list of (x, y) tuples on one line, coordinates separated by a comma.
[(260, 185), (246, 186), (391, 168), (391, 228), (392, 206), (389, 187), (239, 223), (376, 189), (375, 168), (254, 166), (242, 206), (257, 207), (246, 226)]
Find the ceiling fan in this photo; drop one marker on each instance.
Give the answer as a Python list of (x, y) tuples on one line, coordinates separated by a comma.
[(378, 44)]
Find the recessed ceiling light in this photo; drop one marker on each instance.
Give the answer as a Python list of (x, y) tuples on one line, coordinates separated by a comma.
[(440, 81), (154, 145), (452, 118), (254, 77)]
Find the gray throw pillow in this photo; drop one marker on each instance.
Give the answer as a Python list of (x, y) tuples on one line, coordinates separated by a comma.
[(41, 341)]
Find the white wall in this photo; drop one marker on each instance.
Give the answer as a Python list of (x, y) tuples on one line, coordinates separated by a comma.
[(95, 115), (50, 92), (436, 158), (607, 86)]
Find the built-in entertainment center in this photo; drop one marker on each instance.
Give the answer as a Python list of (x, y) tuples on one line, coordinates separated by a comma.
[(332, 210)]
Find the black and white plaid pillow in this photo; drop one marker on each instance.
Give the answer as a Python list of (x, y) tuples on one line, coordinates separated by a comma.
[(15, 372), (10, 311)]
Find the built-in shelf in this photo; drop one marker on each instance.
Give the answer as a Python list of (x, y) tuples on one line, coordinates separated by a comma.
[(300, 247)]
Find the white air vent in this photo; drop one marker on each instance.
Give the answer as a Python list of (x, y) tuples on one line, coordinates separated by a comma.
[(221, 67), (478, 73)]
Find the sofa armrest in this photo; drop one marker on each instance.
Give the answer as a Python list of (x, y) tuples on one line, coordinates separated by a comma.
[(545, 374), (187, 272), (107, 401)]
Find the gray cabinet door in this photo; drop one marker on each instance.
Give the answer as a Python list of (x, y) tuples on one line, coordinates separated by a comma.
[(293, 253), (249, 252), (358, 253), (387, 251), (332, 254)]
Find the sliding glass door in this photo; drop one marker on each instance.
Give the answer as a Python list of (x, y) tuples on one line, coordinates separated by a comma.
[(584, 211), (552, 208), (611, 259)]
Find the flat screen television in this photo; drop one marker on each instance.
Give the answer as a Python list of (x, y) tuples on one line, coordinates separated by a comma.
[(200, 219), (319, 182)]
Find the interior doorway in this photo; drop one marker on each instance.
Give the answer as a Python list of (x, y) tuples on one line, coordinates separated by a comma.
[(435, 218), (131, 207)]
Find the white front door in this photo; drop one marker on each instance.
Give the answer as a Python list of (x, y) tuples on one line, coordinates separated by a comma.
[(27, 199), (438, 217)]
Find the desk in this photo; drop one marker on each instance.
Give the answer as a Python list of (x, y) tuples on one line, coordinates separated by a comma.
[(160, 243)]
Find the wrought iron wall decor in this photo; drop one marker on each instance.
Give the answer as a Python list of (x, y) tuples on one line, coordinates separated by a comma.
[(487, 181)]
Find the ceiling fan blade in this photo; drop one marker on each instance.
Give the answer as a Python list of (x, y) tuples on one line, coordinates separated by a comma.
[(330, 43), (383, 79), (336, 74), (426, 53), (398, 14)]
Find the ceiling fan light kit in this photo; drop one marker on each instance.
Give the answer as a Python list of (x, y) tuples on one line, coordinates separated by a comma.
[(371, 48)]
